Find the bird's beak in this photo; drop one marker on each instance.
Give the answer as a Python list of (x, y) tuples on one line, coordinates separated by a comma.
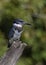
[(25, 23)]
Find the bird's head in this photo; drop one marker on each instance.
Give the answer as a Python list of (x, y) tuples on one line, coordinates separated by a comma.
[(18, 24)]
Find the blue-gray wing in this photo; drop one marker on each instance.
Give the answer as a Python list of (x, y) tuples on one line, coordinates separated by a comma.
[(11, 33)]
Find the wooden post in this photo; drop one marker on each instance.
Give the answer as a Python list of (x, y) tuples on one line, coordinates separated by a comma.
[(12, 55)]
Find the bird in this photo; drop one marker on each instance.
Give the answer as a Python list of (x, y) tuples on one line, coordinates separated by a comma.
[(16, 31)]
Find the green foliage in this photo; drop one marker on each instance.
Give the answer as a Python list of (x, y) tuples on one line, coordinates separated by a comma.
[(34, 36), (3, 44)]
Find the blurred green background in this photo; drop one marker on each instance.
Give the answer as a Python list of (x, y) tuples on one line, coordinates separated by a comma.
[(34, 36)]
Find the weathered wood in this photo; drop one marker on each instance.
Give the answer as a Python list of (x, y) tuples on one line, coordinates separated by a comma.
[(12, 55)]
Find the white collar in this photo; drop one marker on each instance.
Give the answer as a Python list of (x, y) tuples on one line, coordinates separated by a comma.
[(19, 25)]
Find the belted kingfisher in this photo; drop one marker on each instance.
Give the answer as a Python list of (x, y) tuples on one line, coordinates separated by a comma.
[(16, 31)]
